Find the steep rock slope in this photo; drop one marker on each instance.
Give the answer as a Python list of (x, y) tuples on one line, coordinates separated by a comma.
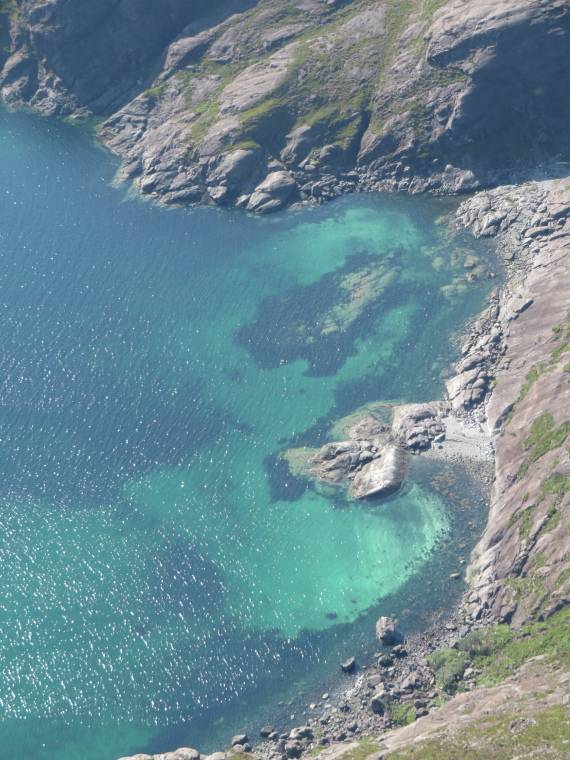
[(207, 102), (521, 568)]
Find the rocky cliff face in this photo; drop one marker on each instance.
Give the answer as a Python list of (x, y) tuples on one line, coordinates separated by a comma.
[(521, 569), (262, 103)]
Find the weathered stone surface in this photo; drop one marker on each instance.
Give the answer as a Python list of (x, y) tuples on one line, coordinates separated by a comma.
[(386, 631), (382, 476), (528, 310), (448, 87), (272, 192), (253, 84), (301, 732), (378, 702), (376, 467), (293, 749), (416, 426)]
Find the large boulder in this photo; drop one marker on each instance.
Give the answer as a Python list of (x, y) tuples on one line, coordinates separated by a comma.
[(272, 193), (382, 475), (386, 631), (372, 460), (378, 702), (416, 426)]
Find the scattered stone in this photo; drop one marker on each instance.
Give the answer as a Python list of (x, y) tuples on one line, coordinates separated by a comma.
[(293, 749), (378, 702), (267, 731), (349, 665)]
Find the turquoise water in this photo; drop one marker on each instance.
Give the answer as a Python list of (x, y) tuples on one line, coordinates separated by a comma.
[(165, 580)]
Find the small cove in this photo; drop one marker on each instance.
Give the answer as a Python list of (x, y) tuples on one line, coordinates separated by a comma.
[(163, 586)]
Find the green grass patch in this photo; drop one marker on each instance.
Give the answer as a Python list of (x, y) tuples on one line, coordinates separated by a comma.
[(530, 379), (403, 715), (547, 734), (449, 666), (557, 484), (361, 752), (542, 439), (155, 93), (527, 520), (503, 650)]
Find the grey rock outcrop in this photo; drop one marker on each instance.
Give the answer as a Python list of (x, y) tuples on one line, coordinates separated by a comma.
[(441, 119), (386, 631), (272, 193), (383, 475), (416, 426), (375, 464)]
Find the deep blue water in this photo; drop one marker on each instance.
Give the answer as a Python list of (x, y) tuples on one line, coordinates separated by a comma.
[(165, 580)]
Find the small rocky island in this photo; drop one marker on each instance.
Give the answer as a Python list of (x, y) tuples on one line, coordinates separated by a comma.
[(374, 460)]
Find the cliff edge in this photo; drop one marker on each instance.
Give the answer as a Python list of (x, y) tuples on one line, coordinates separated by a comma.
[(265, 103)]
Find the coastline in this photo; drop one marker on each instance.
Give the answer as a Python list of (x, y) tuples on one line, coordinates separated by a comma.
[(513, 214), (473, 424)]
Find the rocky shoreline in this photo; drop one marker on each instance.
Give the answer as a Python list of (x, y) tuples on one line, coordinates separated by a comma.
[(532, 226), (262, 104)]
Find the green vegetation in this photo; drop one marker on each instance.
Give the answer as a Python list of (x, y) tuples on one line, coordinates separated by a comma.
[(403, 715), (561, 332), (509, 649), (557, 484), (331, 83), (155, 93), (527, 521), (548, 734), (449, 666), (542, 439), (361, 752), (531, 377), (475, 643)]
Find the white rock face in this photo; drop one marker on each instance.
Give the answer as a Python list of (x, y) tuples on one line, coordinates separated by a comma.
[(272, 192), (382, 475)]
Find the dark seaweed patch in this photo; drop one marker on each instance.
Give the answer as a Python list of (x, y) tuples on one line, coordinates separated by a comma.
[(283, 486), (289, 327)]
